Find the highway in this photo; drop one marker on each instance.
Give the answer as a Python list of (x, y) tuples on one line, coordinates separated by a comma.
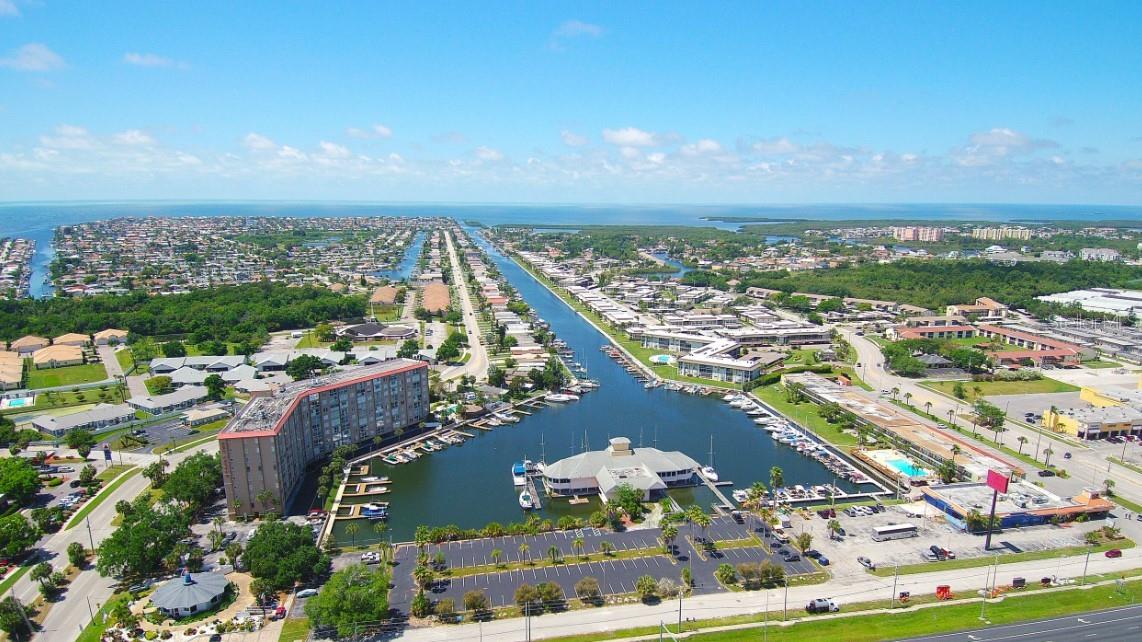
[(477, 364), (1115, 624)]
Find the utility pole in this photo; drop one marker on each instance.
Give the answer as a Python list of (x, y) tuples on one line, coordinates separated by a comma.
[(90, 538), (680, 612), (892, 598), (765, 621), (785, 609), (1085, 563)]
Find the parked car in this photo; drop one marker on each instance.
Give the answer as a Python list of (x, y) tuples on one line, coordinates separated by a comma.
[(822, 560), (929, 556), (1046, 472), (827, 513), (1067, 455), (814, 553), (823, 605), (371, 557), (790, 556), (307, 592), (937, 552), (867, 563), (1113, 553)]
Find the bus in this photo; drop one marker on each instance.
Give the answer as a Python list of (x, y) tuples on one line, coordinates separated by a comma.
[(894, 531)]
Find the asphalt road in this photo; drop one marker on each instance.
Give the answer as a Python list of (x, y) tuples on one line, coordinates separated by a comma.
[(1115, 624), (477, 365)]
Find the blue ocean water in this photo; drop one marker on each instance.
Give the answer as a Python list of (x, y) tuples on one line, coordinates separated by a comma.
[(38, 220)]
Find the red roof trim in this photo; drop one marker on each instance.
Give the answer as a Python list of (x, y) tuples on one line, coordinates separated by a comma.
[(297, 400)]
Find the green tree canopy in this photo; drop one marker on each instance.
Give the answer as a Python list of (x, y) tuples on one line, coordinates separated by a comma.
[(19, 480), (147, 535), (17, 534), (354, 595), (284, 553), (195, 480)]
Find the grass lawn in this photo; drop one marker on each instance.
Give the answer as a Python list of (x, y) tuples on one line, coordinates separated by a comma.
[(801, 357), (125, 359), (104, 493), (804, 413), (66, 376), (204, 433), (905, 622), (13, 576), (1102, 363), (295, 630), (94, 631), (990, 388), (50, 400), (1005, 558)]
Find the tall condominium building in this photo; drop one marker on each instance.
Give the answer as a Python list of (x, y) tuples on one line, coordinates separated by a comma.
[(267, 446), (1000, 233), (921, 234)]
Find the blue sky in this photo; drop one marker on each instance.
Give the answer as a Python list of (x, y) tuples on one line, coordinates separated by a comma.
[(572, 102)]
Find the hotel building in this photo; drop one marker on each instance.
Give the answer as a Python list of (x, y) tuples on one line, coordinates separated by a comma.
[(270, 442)]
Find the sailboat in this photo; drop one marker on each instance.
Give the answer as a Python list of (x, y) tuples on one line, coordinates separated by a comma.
[(708, 471), (525, 500)]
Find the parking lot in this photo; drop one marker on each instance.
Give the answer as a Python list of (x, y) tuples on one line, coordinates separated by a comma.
[(616, 576), (933, 532)]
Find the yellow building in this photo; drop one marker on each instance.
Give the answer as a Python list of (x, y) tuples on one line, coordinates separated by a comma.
[(1095, 423)]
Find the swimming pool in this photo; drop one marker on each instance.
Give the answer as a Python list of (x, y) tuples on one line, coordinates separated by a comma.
[(19, 402), (662, 359), (906, 467)]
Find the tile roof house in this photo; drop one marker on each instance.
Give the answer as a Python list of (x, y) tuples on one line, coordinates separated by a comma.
[(71, 339), (28, 344), (57, 356), (110, 336)]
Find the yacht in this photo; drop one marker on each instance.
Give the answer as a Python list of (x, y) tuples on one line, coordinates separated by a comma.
[(519, 472), (559, 397), (730, 397), (709, 473), (375, 510), (740, 495), (525, 500), (370, 478)]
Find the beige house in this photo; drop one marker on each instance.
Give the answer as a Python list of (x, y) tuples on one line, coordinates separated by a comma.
[(57, 356), (110, 336), (71, 339), (28, 344), (11, 370)]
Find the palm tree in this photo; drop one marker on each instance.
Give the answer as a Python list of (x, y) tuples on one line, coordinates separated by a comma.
[(1047, 457), (776, 477), (577, 546), (1108, 484), (952, 417), (974, 422), (351, 530), (380, 528), (497, 555), (1053, 413), (834, 526), (524, 553), (908, 399), (955, 451), (266, 500), (703, 521), (928, 407), (669, 532), (895, 391), (608, 548), (1022, 440), (553, 553)]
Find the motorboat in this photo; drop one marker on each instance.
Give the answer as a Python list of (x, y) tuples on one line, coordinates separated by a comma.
[(519, 472), (709, 473), (559, 397), (740, 495), (375, 510), (730, 397), (756, 412), (739, 403), (525, 500), (370, 478)]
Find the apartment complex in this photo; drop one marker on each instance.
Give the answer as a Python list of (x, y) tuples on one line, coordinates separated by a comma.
[(921, 234), (267, 446), (1000, 233)]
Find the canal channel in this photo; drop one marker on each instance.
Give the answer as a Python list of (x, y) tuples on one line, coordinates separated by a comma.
[(470, 485)]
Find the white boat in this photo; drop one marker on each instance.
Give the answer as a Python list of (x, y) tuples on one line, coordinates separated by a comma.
[(739, 403), (709, 473), (730, 397), (740, 495), (525, 500), (370, 478), (755, 412), (519, 472), (559, 397)]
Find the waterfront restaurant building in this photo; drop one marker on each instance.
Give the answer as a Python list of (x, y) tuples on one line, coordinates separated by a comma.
[(270, 442), (649, 470)]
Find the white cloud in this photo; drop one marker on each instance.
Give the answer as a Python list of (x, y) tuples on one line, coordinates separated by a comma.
[(996, 144), (702, 147), (572, 29), (577, 28), (257, 142), (376, 131), (630, 137), (9, 8), (152, 60), (489, 154), (133, 137), (291, 153), (333, 150), (68, 137), (572, 139), (774, 146), (33, 57)]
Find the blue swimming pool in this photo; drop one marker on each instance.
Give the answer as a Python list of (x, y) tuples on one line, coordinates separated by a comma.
[(906, 467)]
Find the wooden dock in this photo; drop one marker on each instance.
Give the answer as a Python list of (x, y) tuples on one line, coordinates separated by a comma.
[(534, 492), (725, 505)]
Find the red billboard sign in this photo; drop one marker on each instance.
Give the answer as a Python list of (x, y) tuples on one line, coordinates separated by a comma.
[(997, 481)]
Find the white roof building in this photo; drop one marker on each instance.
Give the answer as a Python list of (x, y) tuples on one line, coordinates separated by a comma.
[(649, 470)]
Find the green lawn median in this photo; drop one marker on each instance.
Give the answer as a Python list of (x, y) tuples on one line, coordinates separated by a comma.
[(103, 494)]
